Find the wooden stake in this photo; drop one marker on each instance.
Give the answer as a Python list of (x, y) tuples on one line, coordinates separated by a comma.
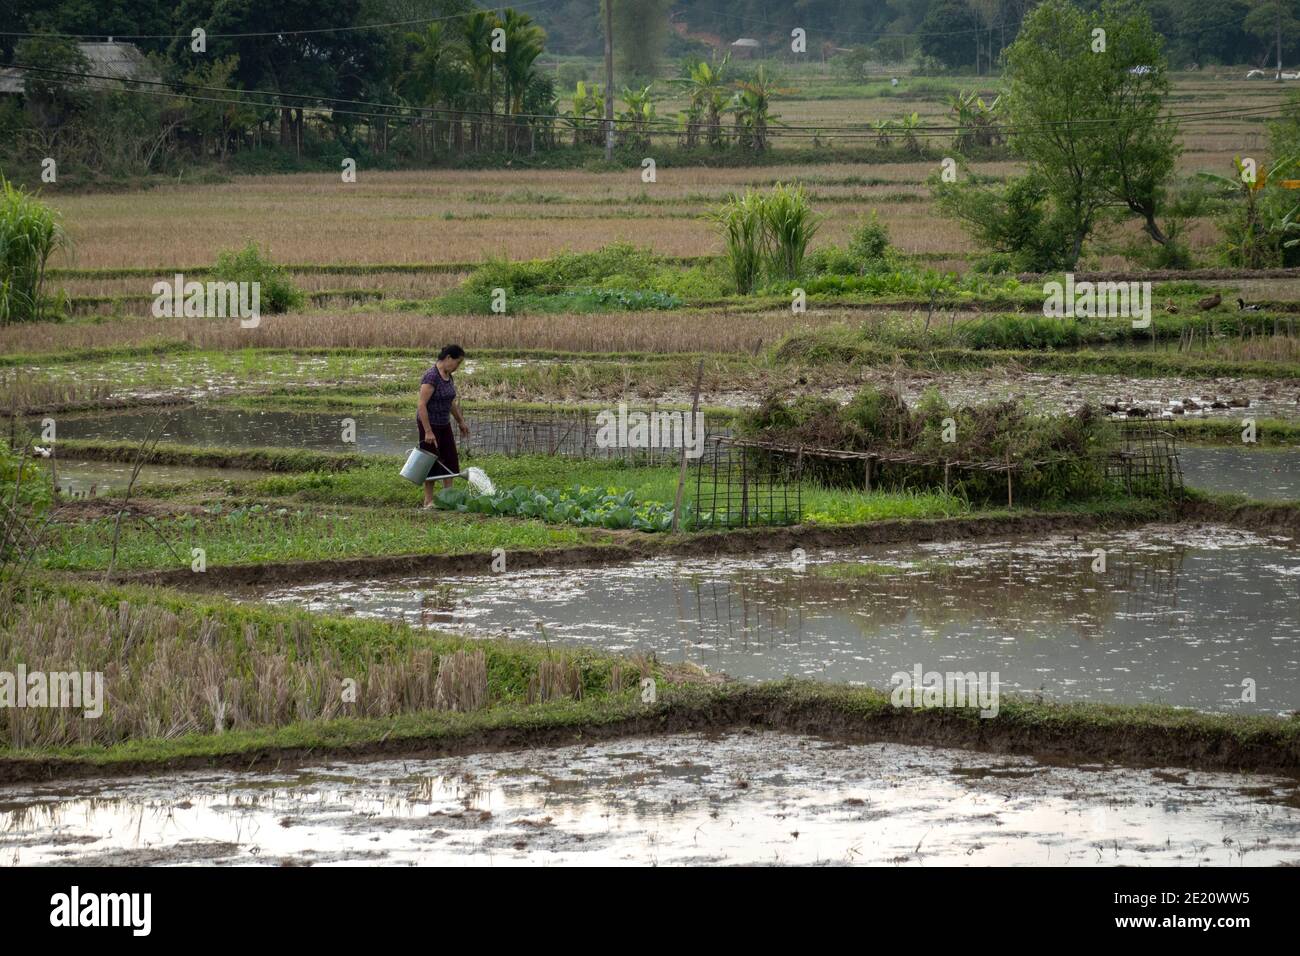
[(681, 474)]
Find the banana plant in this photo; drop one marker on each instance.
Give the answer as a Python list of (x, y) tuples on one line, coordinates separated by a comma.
[(638, 115), (909, 126), (752, 106), (588, 106), (976, 120), (1255, 228), (706, 90)]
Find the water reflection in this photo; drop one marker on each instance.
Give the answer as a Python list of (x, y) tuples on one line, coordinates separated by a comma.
[(1178, 616), (81, 478), (1271, 474), (495, 431), (736, 798)]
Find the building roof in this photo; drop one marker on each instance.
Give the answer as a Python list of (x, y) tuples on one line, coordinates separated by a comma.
[(745, 41), (111, 58)]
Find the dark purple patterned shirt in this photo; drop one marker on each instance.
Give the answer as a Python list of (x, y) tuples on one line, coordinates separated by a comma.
[(444, 393)]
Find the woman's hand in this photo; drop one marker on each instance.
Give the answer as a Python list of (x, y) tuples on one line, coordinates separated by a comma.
[(464, 430), (430, 444)]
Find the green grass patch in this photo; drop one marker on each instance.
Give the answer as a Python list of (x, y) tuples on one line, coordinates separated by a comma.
[(250, 532)]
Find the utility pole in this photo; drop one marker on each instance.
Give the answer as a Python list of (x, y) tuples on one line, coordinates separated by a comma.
[(1279, 40), (609, 79)]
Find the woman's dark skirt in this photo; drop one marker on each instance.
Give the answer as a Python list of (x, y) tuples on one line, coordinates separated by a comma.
[(448, 459)]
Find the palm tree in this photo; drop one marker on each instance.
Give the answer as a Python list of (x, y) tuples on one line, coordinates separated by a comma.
[(421, 82), (457, 88), (524, 44), (477, 28)]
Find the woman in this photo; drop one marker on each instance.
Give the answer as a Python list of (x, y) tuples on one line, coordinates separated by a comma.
[(433, 418)]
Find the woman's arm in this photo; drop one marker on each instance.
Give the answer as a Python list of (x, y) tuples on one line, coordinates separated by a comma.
[(455, 411), (422, 413)]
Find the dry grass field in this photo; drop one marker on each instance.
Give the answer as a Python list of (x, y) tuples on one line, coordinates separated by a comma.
[(457, 216), (633, 331)]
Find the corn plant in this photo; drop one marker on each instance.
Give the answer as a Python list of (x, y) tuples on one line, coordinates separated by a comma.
[(30, 233)]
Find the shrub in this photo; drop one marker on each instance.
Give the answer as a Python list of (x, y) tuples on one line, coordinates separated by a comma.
[(870, 245), (790, 225), (30, 233), (1057, 454), (832, 261), (277, 293), (618, 275), (1017, 220), (772, 231), (744, 236), (616, 266)]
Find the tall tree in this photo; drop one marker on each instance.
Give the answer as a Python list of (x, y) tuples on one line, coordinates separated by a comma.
[(949, 34), (525, 42), (287, 47), (1085, 112), (477, 29), (640, 30)]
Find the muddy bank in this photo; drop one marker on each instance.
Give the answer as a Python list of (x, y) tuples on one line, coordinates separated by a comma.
[(243, 459), (630, 546), (1279, 517), (1138, 737), (107, 405)]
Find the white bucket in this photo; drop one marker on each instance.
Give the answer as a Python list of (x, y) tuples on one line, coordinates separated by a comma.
[(418, 465)]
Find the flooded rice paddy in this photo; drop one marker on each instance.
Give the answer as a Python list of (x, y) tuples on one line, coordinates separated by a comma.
[(743, 798), (1179, 616), (1056, 392), (494, 431), (1271, 474), (91, 478)]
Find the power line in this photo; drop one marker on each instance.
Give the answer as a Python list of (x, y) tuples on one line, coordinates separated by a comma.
[(834, 32), (373, 110), (918, 34), (271, 33)]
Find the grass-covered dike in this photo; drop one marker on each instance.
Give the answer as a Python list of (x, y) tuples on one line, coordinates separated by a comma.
[(534, 696)]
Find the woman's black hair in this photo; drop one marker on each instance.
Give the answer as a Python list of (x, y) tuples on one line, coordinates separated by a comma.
[(451, 352)]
